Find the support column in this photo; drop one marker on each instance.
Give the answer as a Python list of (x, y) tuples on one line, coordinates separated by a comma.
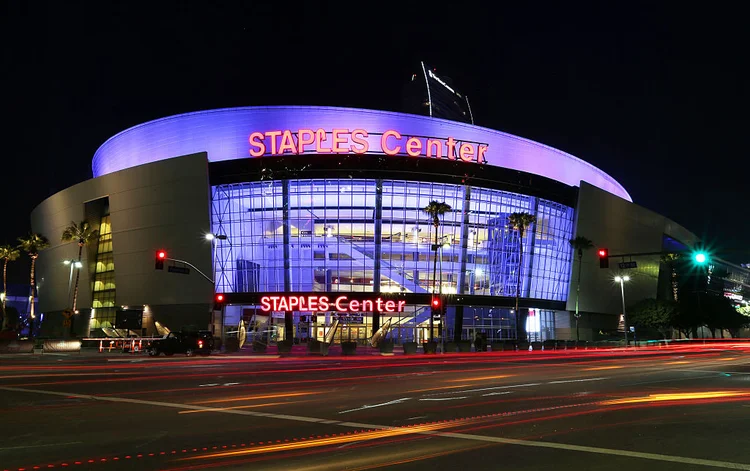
[(458, 317), (288, 315), (377, 256)]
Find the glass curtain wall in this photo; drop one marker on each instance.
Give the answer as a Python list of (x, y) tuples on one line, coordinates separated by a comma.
[(365, 235)]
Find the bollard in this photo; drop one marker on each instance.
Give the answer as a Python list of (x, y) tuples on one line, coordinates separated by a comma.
[(132, 346), (101, 347)]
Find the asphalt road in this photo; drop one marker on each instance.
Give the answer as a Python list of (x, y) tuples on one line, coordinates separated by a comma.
[(669, 409)]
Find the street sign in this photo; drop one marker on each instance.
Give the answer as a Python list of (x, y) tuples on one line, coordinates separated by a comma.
[(180, 270), (630, 264)]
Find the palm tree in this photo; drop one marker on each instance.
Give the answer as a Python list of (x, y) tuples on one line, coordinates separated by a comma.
[(671, 259), (8, 254), (84, 235), (32, 245), (435, 209), (519, 222), (579, 244)]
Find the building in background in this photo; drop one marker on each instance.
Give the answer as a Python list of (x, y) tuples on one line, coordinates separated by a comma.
[(314, 215)]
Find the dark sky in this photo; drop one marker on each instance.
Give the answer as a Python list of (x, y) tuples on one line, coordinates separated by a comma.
[(657, 98)]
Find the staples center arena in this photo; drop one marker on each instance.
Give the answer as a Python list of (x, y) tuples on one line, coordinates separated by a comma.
[(315, 214)]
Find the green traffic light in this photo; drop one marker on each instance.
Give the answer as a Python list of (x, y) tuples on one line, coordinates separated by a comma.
[(700, 257)]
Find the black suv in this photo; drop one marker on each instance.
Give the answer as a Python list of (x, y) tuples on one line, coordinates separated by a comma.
[(189, 343)]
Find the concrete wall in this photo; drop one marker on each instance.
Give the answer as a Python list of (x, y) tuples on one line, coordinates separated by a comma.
[(164, 205), (622, 227)]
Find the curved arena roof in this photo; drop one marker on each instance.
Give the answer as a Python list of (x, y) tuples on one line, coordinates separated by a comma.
[(224, 133)]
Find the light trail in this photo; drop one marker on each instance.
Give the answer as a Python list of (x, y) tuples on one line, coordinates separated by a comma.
[(691, 396), (253, 398)]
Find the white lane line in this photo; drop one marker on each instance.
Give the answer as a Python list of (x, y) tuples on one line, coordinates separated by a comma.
[(38, 446), (497, 393), (372, 406), (207, 385), (575, 380), (443, 398), (464, 436), (485, 389)]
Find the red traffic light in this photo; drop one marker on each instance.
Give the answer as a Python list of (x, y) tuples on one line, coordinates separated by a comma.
[(603, 258), (603, 252), (435, 302), (219, 298), (161, 254)]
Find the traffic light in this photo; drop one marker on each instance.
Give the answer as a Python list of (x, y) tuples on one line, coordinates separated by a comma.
[(219, 300), (161, 255), (437, 306), (603, 258)]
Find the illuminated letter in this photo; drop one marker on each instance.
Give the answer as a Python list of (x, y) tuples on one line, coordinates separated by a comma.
[(283, 304), (256, 140), (275, 300), (367, 305), (272, 135), (293, 302), (312, 303), (379, 302), (265, 305), (384, 143), (466, 152), (360, 140), (287, 143), (401, 305), (323, 303), (302, 142), (413, 146), (438, 145), (354, 305), (390, 306), (319, 138), (338, 303), (480, 155), (451, 145), (338, 139)]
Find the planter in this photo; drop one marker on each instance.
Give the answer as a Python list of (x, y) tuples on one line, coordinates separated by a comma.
[(313, 346), (430, 348), (231, 344), (259, 347), (536, 345), (464, 346), (386, 346), (522, 345), (410, 348), (451, 347), (285, 346), (348, 348), (324, 348), (16, 346)]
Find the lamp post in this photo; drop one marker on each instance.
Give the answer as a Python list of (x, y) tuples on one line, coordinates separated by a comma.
[(211, 237), (622, 280)]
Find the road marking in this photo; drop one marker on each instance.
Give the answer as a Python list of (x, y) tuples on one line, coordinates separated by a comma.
[(575, 380), (497, 393), (487, 389), (478, 378), (598, 368), (38, 446), (443, 398), (389, 403), (464, 436)]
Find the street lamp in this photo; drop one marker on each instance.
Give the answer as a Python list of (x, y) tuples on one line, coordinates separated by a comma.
[(622, 280), (211, 237), (73, 264)]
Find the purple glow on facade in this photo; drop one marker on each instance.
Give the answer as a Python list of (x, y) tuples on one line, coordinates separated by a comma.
[(224, 133)]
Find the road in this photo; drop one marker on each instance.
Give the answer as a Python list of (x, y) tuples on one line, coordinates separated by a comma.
[(668, 409)]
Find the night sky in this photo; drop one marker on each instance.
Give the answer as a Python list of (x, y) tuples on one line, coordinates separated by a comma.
[(656, 98)]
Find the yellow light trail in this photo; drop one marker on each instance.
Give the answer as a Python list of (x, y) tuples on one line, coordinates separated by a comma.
[(251, 406), (479, 378), (727, 359), (440, 388), (677, 363), (338, 440), (252, 398), (598, 368), (677, 397)]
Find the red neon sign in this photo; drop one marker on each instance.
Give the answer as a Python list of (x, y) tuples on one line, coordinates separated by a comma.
[(324, 304), (358, 141)]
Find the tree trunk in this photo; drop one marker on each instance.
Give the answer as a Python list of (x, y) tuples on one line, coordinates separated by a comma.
[(78, 276), (578, 292), (31, 299), (520, 331), (5, 294)]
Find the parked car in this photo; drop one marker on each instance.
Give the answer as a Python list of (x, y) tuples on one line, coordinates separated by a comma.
[(189, 343)]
